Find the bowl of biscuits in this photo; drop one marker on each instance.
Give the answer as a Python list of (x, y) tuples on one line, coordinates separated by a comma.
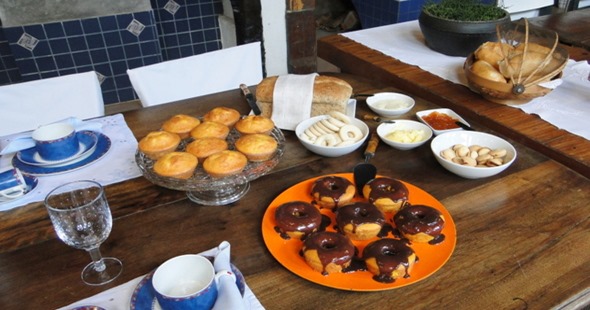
[(212, 157), (473, 154), (332, 135)]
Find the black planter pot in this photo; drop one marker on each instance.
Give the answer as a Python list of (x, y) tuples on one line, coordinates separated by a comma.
[(457, 38)]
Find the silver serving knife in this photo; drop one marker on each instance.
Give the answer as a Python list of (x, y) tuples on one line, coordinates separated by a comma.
[(250, 99)]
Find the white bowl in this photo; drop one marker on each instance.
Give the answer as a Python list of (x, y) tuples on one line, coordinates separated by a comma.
[(390, 104), (330, 151), (467, 138), (386, 128), (449, 112)]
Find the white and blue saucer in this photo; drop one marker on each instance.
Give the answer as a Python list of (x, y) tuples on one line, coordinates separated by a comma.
[(93, 146), (31, 182), (86, 139), (144, 296)]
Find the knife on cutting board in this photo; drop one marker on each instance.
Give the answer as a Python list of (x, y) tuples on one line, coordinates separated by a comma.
[(250, 99)]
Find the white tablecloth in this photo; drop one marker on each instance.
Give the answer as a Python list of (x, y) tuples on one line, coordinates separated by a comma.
[(116, 166), (567, 107)]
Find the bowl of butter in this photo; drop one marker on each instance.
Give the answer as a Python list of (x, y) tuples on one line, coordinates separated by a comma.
[(390, 104), (404, 134)]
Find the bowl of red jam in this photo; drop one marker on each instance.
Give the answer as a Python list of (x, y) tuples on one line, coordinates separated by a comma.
[(441, 120)]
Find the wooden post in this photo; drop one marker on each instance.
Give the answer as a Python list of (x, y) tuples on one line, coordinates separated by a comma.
[(301, 36)]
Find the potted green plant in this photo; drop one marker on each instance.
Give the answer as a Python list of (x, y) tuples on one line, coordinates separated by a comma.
[(458, 27)]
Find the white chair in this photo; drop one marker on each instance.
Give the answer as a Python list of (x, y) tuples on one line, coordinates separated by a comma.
[(27, 105), (197, 75)]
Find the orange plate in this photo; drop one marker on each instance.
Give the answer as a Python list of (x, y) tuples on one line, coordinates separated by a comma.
[(431, 257)]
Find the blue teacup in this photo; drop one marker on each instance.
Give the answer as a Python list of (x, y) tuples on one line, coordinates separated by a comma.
[(12, 184), (56, 141), (185, 282)]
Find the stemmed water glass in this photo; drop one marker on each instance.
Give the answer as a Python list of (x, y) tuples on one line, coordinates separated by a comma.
[(82, 219)]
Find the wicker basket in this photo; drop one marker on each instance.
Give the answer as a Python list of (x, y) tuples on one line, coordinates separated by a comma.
[(522, 81)]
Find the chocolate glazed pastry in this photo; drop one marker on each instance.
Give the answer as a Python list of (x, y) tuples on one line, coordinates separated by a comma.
[(328, 252), (332, 191), (389, 259), (297, 219), (419, 223)]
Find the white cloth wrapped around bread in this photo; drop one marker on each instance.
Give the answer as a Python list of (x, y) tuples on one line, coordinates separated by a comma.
[(329, 94)]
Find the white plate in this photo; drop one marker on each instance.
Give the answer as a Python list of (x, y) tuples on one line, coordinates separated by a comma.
[(448, 112)]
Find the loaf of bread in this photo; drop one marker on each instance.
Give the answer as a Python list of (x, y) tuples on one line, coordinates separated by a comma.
[(329, 94)]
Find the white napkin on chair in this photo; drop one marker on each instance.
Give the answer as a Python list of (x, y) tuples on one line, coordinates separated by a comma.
[(292, 99), (23, 141)]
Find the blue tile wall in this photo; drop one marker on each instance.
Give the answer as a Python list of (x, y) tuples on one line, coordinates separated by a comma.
[(8, 69), (104, 44), (374, 13), (187, 27)]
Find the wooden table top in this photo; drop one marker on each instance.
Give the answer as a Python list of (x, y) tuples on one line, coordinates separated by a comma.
[(355, 58), (522, 236), (573, 27)]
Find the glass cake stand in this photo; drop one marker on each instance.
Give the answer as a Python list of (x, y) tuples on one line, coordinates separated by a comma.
[(206, 190)]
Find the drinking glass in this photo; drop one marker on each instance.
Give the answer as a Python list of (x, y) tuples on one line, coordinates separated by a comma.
[(82, 219)]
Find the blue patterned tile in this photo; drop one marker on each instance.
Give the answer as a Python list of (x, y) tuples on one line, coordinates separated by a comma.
[(149, 48)]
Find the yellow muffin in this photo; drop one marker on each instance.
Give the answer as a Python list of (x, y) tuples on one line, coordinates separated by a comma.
[(208, 129), (226, 116), (257, 147), (203, 148), (158, 143), (225, 163), (252, 124), (180, 165), (181, 125)]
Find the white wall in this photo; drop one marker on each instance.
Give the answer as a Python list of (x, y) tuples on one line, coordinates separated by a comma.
[(274, 32)]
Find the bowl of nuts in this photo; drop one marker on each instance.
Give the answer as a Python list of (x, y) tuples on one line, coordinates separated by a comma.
[(472, 154)]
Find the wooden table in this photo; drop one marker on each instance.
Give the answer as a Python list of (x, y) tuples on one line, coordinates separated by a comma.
[(560, 145), (522, 236), (573, 27)]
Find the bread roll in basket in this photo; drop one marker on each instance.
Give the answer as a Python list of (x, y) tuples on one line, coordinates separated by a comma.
[(513, 70)]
